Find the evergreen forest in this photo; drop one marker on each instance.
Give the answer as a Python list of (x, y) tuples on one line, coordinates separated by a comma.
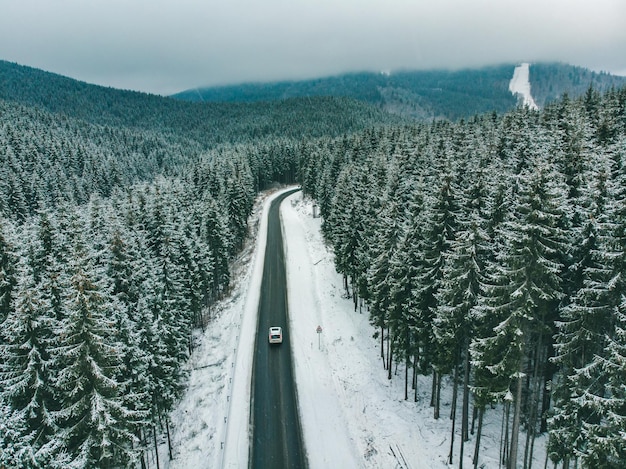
[(491, 252), (488, 251)]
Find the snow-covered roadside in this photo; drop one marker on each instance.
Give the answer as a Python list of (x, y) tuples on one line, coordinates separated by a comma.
[(209, 426), (520, 85), (352, 415)]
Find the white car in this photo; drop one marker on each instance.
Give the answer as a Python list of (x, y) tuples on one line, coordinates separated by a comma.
[(276, 335)]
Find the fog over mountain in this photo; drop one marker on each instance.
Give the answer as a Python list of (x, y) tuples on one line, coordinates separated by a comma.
[(166, 47)]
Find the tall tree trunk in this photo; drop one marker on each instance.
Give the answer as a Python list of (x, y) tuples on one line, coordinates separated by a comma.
[(433, 389), (534, 404), (516, 422), (406, 375), (504, 435), (156, 446), (545, 401), (479, 433), (438, 395), (415, 357), (389, 354), (465, 412), (169, 439), (453, 411), (382, 342), (474, 417), (455, 392), (465, 408), (142, 442)]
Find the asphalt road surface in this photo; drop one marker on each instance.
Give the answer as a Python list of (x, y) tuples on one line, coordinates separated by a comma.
[(277, 436)]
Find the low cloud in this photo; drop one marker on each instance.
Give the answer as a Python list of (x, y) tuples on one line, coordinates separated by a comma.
[(163, 46)]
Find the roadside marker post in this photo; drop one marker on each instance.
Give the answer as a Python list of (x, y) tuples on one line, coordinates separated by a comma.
[(319, 334)]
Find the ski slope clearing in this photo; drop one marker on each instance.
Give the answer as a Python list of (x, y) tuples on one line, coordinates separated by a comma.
[(520, 85), (352, 415)]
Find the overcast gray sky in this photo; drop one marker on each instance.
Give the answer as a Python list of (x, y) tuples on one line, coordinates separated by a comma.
[(166, 46)]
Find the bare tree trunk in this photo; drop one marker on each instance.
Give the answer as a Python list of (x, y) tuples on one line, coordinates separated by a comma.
[(474, 417), (438, 395), (534, 404), (516, 422), (465, 408), (156, 447), (504, 435), (141, 438), (169, 439), (453, 411), (433, 389), (415, 358), (455, 392), (465, 412), (388, 353), (479, 433), (382, 342), (406, 375)]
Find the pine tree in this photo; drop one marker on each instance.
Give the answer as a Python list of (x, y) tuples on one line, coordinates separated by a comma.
[(585, 322), (524, 291), (440, 224), (404, 267), (383, 311), (96, 425), (8, 275), (15, 441), (603, 400)]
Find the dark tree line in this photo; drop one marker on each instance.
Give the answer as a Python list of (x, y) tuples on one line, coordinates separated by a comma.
[(491, 251)]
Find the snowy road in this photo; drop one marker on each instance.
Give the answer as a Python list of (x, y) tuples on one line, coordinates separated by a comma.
[(277, 437)]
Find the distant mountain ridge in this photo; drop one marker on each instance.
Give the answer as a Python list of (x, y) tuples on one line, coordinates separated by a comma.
[(424, 95), (209, 124)]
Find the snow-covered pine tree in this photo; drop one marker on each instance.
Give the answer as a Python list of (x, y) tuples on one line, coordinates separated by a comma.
[(462, 272), (523, 295), (604, 430), (215, 236), (403, 277), (96, 425), (441, 222), (384, 313), (25, 370), (8, 275), (585, 321), (15, 441)]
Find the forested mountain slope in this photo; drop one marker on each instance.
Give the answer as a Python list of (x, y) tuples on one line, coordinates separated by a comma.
[(207, 124), (423, 95), (550, 81)]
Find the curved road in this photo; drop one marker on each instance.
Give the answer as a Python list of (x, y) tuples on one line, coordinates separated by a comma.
[(276, 433)]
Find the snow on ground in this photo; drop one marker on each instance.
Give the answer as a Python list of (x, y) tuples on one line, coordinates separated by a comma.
[(352, 415), (520, 85)]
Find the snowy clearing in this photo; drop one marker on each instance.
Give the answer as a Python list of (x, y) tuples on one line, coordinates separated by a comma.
[(520, 85)]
